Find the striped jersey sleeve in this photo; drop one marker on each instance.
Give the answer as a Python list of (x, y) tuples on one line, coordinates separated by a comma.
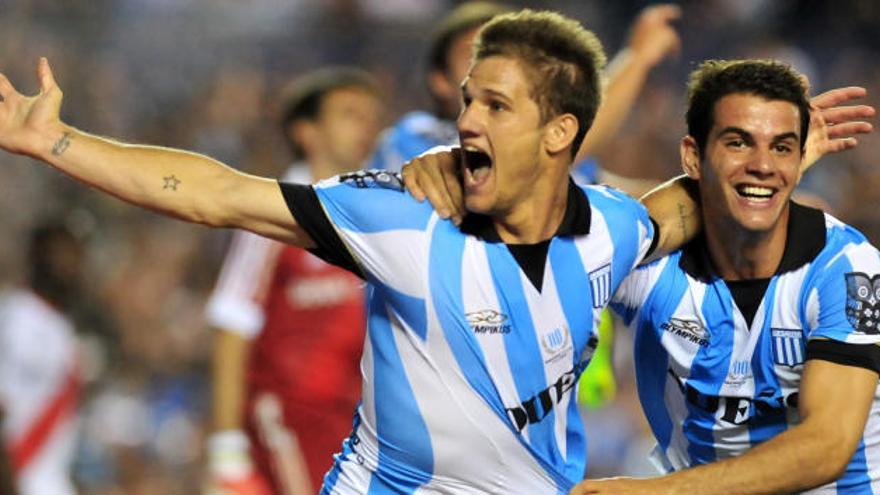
[(843, 302), (381, 225), (237, 302)]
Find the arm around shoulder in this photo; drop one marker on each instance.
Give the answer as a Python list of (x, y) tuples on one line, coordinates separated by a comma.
[(675, 207)]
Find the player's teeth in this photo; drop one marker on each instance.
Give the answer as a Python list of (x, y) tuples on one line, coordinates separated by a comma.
[(756, 191)]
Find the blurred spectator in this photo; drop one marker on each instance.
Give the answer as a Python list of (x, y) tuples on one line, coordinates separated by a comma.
[(39, 363), (290, 327)]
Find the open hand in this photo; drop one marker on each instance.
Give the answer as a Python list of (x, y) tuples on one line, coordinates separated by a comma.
[(24, 118), (833, 125)]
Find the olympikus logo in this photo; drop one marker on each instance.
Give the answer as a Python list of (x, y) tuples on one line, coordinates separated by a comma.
[(692, 331), (488, 321)]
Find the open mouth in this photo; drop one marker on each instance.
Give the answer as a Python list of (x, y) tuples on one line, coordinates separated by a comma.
[(755, 193), (477, 164)]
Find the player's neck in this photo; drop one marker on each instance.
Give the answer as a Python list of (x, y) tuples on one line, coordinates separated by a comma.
[(738, 254), (537, 217)]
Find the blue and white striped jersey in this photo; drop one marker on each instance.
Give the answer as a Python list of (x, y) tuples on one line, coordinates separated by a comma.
[(469, 370), (715, 379), (412, 135)]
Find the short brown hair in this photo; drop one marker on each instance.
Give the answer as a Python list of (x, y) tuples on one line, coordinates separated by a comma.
[(562, 59), (715, 79)]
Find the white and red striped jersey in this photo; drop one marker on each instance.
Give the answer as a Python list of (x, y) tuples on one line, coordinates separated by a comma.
[(39, 387)]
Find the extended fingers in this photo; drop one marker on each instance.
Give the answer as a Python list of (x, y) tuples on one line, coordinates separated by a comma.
[(842, 114), (837, 96), (6, 88), (44, 74), (849, 129)]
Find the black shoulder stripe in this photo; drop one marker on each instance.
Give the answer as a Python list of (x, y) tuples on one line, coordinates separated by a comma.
[(306, 208)]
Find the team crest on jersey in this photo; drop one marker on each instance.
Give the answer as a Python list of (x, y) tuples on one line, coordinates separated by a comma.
[(488, 321), (788, 346), (863, 302), (373, 178), (555, 343), (600, 283)]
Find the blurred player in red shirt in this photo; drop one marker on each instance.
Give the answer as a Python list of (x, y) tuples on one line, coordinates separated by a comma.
[(286, 376)]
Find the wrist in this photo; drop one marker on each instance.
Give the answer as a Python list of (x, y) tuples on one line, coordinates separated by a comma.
[(229, 454), (51, 141), (631, 61)]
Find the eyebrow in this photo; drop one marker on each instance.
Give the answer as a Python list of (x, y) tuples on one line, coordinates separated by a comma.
[(491, 92), (746, 134)]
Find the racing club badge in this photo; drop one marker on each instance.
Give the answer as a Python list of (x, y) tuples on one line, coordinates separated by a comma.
[(863, 302)]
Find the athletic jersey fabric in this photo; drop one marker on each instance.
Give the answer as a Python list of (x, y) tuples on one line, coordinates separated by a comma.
[(38, 392), (412, 135), (468, 369), (306, 318), (715, 379)]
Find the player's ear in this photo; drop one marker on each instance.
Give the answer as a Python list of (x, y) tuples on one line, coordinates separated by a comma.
[(690, 157), (440, 86), (303, 133), (559, 133)]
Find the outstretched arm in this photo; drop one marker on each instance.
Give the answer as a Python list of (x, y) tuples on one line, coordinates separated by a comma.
[(177, 183), (834, 405)]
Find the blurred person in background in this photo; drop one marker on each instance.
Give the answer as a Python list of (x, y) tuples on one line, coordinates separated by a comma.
[(290, 327), (39, 369)]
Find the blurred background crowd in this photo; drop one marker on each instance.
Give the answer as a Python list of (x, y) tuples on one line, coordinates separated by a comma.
[(204, 75)]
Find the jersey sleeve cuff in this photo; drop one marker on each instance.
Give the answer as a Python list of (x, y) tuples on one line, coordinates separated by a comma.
[(861, 355), (304, 204)]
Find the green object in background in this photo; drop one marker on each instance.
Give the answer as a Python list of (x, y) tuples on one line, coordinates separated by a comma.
[(596, 386)]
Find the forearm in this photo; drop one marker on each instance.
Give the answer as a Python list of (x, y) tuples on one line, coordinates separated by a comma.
[(675, 207), (627, 73), (179, 183), (228, 376), (798, 459)]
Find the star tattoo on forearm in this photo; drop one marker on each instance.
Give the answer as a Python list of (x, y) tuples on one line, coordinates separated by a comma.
[(171, 182), (62, 144)]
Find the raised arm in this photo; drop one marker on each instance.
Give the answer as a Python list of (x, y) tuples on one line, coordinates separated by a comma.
[(652, 38), (177, 183), (834, 404)]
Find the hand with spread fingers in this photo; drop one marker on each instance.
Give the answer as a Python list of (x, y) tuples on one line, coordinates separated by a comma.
[(834, 125), (23, 118)]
